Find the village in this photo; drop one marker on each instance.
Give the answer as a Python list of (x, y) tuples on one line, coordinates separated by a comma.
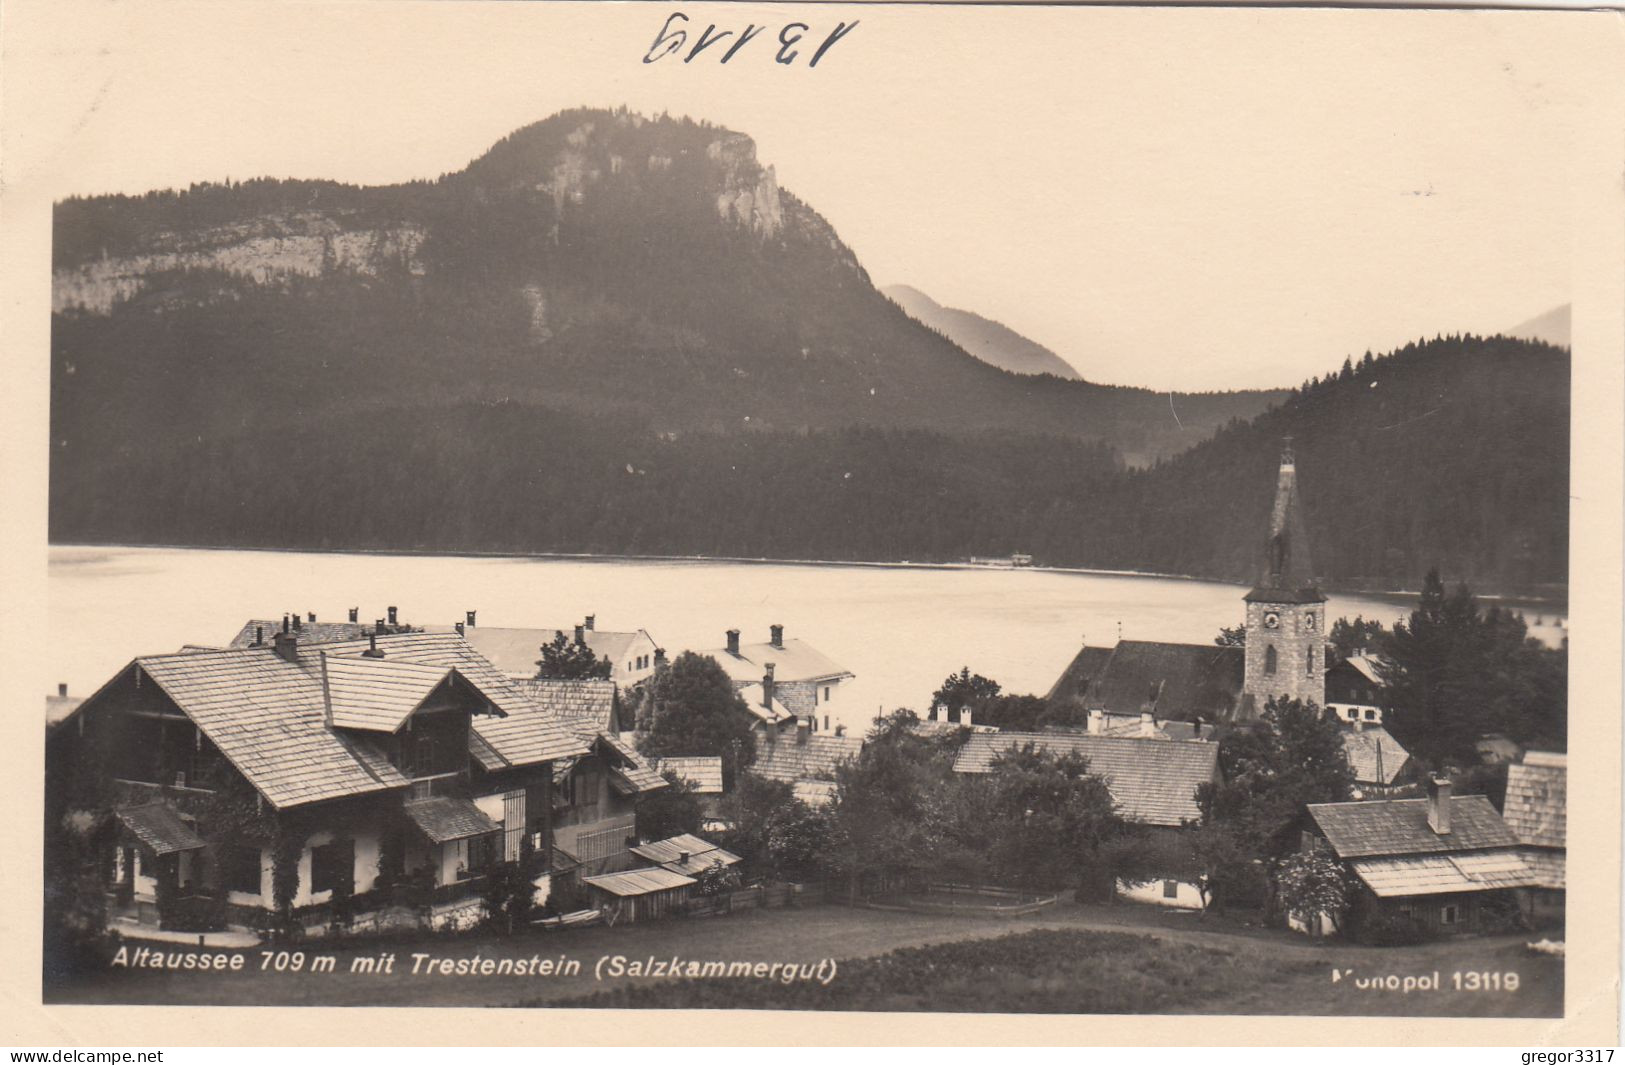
[(312, 782)]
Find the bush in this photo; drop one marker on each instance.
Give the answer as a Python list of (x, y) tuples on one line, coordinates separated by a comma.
[(566, 895), (507, 898), (719, 879)]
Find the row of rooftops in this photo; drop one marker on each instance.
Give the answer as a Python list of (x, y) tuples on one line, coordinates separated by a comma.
[(298, 706), (514, 651)]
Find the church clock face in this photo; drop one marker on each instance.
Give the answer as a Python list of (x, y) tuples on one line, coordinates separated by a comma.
[(1309, 620), (1272, 620)]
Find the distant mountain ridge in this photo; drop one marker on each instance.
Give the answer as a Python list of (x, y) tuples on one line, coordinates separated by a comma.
[(619, 334), (1554, 327), (993, 342)]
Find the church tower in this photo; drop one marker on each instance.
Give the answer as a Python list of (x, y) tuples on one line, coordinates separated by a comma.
[(1286, 616)]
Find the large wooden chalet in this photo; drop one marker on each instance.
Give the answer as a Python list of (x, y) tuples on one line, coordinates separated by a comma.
[(337, 767)]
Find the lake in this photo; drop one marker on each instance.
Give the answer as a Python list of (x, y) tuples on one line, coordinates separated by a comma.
[(901, 629)]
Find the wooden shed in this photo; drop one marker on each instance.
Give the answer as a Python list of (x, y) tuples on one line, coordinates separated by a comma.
[(638, 894)]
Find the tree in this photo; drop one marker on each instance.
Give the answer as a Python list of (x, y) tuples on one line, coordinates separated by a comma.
[(961, 690), (892, 810), (569, 659), (1049, 819), (1292, 757), (1360, 636), (1311, 884), (1453, 673), (76, 939), (673, 810), (1232, 636), (691, 708)]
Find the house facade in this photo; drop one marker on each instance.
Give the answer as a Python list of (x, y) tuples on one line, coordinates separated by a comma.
[(595, 794), (515, 651), (803, 681), (307, 776)]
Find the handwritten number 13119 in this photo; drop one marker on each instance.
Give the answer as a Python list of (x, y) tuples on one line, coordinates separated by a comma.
[(673, 39)]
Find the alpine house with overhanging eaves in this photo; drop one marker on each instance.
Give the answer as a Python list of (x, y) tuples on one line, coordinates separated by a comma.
[(304, 777)]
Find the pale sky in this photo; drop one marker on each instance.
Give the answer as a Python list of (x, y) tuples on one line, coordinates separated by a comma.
[(1180, 199)]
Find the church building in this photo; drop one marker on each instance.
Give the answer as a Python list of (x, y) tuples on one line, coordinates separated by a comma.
[(1283, 657)]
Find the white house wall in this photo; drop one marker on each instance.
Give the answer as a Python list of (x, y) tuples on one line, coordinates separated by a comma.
[(1186, 896)]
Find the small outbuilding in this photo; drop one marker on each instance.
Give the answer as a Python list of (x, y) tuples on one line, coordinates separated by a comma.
[(1446, 864), (638, 894)]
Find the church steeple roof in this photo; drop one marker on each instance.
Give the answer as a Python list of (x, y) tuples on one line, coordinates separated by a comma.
[(1287, 576)]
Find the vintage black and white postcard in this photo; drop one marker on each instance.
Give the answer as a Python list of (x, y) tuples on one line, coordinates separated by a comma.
[(1011, 519)]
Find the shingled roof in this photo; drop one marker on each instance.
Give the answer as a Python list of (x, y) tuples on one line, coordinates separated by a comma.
[(702, 773), (1179, 681), (1536, 807), (633, 775), (686, 854), (444, 818), (1439, 874), (1392, 827), (811, 757), (307, 632), (1374, 755), (267, 716), (159, 828), (1152, 780), (587, 706), (378, 694)]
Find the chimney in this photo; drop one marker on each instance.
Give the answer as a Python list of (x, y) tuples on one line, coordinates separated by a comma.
[(1097, 722), (62, 690), (1196, 727), (459, 628), (964, 717), (393, 617), (259, 635), (355, 614), (767, 686), (1148, 723), (297, 626), (733, 641), (581, 634), (287, 646), (803, 730), (592, 619), (372, 646), (284, 623), (1439, 805), (470, 619), (776, 635), (682, 857), (311, 617), (660, 658)]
